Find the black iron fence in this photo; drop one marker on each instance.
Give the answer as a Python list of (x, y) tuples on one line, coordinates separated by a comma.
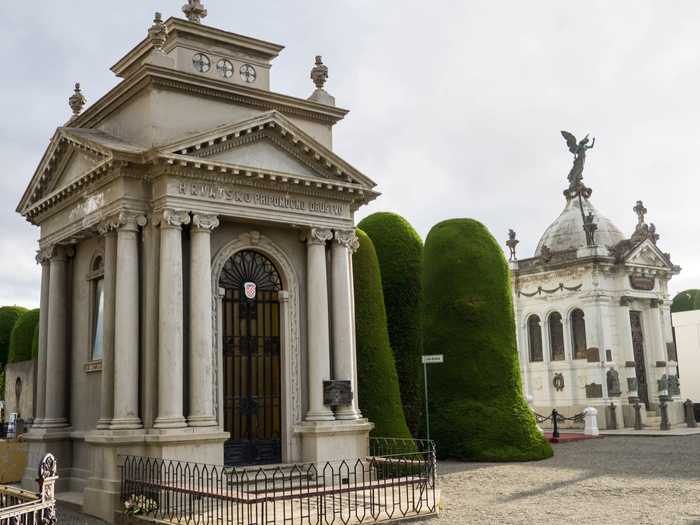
[(556, 418), (397, 480), (23, 507)]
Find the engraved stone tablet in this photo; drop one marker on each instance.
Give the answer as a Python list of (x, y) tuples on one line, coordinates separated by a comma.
[(336, 393)]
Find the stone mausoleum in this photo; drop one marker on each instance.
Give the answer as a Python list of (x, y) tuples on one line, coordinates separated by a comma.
[(196, 250), (593, 314)]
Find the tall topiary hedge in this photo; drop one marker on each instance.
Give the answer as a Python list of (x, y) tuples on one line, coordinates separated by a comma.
[(378, 384), (22, 337), (478, 411), (400, 252), (8, 317), (686, 300)]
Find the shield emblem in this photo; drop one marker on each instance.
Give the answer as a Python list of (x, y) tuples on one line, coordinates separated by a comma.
[(250, 290)]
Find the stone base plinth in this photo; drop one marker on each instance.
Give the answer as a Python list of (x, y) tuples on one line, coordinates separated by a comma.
[(333, 440), (41, 441)]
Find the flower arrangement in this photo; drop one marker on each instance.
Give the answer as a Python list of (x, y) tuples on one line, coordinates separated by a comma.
[(139, 504)]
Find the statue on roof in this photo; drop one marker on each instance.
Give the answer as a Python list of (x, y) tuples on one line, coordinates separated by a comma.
[(578, 148), (512, 242)]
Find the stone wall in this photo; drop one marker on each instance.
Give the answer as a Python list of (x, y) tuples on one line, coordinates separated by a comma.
[(13, 461)]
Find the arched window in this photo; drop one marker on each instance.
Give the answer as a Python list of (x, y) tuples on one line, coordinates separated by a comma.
[(578, 334), (556, 336), (96, 278), (534, 337)]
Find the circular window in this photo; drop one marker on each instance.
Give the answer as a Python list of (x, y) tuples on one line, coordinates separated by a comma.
[(224, 68), (201, 63), (248, 73)]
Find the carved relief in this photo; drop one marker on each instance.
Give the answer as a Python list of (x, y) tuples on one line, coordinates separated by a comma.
[(346, 238), (205, 222), (319, 236), (172, 218)]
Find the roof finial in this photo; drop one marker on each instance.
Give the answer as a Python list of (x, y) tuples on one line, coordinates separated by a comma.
[(578, 149), (643, 230), (158, 33), (76, 101), (194, 11), (319, 73), (641, 211), (512, 242)]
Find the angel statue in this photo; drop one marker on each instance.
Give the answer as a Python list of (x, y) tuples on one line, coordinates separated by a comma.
[(579, 150)]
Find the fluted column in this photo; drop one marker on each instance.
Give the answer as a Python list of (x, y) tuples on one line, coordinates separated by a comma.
[(170, 330), (56, 355), (43, 259), (107, 229), (317, 323), (342, 312), (201, 342), (126, 324)]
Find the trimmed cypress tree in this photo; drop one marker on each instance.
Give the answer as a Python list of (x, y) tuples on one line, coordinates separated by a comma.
[(400, 252), (478, 411), (686, 300), (378, 384), (22, 337), (8, 317)]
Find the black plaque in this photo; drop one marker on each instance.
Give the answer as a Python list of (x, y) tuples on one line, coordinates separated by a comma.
[(337, 393), (594, 391), (642, 282), (593, 354)]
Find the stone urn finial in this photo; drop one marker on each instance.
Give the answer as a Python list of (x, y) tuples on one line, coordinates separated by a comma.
[(158, 33), (76, 101), (319, 73), (194, 11)]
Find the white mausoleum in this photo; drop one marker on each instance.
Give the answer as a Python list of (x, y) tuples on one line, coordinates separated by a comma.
[(196, 240), (593, 317)]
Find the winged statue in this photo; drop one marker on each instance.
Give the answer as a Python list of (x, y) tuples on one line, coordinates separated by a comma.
[(578, 148)]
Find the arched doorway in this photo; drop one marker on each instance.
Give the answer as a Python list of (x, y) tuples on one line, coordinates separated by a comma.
[(251, 359)]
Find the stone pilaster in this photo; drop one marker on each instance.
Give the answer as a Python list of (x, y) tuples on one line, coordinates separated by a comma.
[(342, 317), (201, 342), (170, 329), (107, 229), (319, 369), (126, 324), (57, 350), (40, 404)]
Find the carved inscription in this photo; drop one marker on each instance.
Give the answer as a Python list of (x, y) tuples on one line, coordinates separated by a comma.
[(262, 199)]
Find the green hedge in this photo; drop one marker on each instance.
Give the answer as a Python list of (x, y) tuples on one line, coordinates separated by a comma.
[(686, 300), (8, 317), (400, 253), (378, 384), (478, 411), (21, 340)]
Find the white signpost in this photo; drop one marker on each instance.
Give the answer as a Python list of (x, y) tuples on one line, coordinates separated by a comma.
[(429, 360)]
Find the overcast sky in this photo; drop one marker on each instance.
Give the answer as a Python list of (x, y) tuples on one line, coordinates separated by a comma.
[(456, 106)]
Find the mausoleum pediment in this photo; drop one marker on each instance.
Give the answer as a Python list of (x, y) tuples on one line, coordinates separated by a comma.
[(647, 254), (272, 142)]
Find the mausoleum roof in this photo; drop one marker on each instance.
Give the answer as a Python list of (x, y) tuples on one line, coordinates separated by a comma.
[(567, 233)]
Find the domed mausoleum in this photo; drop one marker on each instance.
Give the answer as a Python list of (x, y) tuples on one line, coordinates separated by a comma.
[(593, 314)]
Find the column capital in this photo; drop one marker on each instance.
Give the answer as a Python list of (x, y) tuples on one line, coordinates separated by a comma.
[(43, 255), (319, 236), (204, 222), (347, 238), (170, 218)]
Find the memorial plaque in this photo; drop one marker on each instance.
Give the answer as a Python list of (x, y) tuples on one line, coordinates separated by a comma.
[(337, 393), (642, 282), (671, 352), (632, 384), (593, 355), (594, 391)]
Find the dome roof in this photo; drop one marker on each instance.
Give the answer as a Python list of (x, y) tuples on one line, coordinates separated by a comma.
[(567, 232)]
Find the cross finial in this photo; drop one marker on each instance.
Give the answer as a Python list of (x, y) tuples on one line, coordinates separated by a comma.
[(641, 211), (76, 101), (319, 73), (194, 11)]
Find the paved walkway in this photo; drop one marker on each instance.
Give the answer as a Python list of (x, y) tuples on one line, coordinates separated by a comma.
[(615, 480)]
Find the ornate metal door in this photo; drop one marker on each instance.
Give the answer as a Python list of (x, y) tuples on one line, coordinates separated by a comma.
[(251, 337), (639, 363)]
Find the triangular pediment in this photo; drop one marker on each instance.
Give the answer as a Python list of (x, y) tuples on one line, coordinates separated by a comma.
[(73, 154), (269, 141), (648, 255)]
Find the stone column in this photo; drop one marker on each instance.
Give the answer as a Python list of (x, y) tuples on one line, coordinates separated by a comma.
[(170, 329), (319, 369), (110, 274), (57, 355), (342, 317), (201, 337), (43, 259), (126, 324)]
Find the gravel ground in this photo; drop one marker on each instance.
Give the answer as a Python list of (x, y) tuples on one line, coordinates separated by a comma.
[(615, 480)]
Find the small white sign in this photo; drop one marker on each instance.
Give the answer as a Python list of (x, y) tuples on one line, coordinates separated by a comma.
[(250, 290), (432, 359)]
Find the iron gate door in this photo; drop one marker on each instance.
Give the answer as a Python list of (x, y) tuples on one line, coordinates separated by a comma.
[(639, 363), (251, 337)]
